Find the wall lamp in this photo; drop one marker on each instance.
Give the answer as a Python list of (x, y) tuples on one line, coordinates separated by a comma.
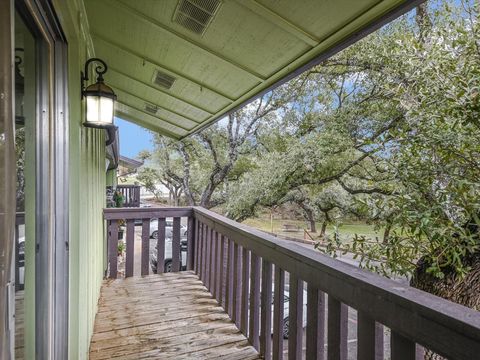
[(100, 98)]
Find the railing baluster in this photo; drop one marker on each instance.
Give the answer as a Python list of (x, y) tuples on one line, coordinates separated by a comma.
[(208, 257), (278, 313), (205, 254), (266, 311), (176, 256), (113, 248), (213, 259), (337, 329), (401, 348), (161, 224), (315, 323), (213, 262), (218, 266), (201, 251), (245, 287), (190, 241), (204, 251), (295, 315), (370, 338), (130, 251), (229, 293), (236, 285), (221, 291), (253, 335), (145, 246), (196, 243)]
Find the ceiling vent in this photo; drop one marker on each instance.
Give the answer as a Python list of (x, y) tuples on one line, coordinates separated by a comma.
[(196, 15), (163, 80), (152, 109)]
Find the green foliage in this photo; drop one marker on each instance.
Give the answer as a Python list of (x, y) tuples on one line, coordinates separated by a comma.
[(387, 131), (121, 247)]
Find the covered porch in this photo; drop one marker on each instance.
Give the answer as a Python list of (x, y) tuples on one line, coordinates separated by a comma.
[(165, 316), (233, 292), (238, 293)]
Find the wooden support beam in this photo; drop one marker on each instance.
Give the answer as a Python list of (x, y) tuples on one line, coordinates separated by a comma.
[(280, 21)]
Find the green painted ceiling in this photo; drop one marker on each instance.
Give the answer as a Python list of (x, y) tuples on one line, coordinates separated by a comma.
[(248, 47)]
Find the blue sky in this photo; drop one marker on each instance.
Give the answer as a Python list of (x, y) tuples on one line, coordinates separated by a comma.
[(133, 138)]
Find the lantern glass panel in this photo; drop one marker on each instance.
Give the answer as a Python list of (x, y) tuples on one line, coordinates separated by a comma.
[(99, 110)]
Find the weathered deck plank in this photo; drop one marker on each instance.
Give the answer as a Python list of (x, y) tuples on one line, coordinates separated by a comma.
[(19, 325), (164, 316)]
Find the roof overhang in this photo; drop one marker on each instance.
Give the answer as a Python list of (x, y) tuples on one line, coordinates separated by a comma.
[(247, 48), (129, 163)]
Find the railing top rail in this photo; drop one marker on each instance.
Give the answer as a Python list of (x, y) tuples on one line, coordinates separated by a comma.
[(145, 213), (445, 327)]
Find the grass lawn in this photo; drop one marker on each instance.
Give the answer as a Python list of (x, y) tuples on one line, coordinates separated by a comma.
[(347, 230)]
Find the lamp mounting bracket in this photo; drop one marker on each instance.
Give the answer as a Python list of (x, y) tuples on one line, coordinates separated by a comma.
[(100, 69)]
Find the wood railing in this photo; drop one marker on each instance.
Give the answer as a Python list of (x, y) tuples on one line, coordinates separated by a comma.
[(244, 269), (131, 195), (128, 218)]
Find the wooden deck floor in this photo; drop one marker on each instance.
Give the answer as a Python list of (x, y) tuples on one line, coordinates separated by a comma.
[(169, 316)]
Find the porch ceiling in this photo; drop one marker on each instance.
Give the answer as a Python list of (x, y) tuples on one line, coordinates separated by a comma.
[(247, 48)]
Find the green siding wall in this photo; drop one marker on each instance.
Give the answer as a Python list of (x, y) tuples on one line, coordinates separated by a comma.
[(112, 177), (87, 189)]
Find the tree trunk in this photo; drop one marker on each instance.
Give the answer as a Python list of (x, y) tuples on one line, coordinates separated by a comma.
[(464, 291), (175, 199), (386, 233), (178, 195), (309, 215), (311, 219), (324, 228), (423, 21)]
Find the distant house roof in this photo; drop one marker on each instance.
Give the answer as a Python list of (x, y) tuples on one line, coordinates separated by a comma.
[(129, 163)]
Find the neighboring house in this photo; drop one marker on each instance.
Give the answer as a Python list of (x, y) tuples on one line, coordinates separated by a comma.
[(127, 166), (176, 67)]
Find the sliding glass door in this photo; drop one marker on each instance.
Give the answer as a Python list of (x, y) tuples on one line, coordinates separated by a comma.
[(34, 183), (7, 182), (26, 100)]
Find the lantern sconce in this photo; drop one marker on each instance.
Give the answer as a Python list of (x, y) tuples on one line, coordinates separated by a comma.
[(100, 98)]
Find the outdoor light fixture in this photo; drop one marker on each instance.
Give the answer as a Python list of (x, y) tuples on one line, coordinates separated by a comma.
[(19, 89), (100, 98)]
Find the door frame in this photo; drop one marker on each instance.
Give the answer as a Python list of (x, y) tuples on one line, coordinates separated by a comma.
[(7, 180), (51, 174)]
